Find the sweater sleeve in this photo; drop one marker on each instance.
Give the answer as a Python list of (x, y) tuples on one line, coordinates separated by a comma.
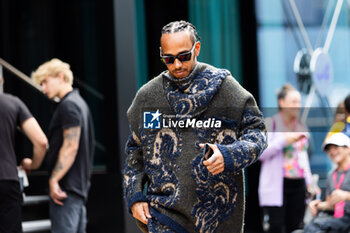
[(134, 175), (251, 139)]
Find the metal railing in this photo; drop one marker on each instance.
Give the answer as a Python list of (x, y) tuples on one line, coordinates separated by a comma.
[(21, 76), (32, 84), (1, 80), (37, 225), (18, 73)]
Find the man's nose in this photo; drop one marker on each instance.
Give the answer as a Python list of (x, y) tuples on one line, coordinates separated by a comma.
[(332, 151), (177, 63)]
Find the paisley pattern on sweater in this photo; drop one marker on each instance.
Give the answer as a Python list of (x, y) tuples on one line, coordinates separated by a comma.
[(211, 135), (155, 226), (191, 98), (131, 172), (226, 136), (160, 167), (216, 194), (253, 138)]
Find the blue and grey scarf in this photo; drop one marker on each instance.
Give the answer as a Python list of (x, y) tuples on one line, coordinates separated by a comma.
[(190, 96)]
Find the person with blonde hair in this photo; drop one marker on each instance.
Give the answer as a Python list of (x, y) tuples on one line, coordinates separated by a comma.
[(70, 156), (53, 67)]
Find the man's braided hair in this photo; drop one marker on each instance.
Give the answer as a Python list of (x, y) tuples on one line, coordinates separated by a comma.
[(179, 26)]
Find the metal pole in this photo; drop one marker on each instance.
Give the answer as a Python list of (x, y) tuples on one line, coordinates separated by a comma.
[(308, 104), (301, 26), (22, 76), (324, 23), (1, 80), (332, 26), (19, 74)]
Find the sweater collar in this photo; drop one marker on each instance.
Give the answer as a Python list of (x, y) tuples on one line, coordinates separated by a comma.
[(190, 96), (182, 83)]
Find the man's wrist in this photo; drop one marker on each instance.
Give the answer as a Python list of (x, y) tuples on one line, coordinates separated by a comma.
[(322, 206), (53, 180)]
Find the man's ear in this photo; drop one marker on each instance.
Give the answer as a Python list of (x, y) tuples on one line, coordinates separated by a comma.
[(197, 48), (61, 76)]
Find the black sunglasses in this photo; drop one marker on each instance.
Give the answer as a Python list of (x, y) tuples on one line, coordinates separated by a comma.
[(186, 56)]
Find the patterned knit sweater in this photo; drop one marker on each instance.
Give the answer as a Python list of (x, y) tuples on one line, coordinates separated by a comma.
[(164, 165)]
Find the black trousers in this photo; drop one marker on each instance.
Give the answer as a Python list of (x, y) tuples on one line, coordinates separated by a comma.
[(10, 207), (325, 223), (290, 216)]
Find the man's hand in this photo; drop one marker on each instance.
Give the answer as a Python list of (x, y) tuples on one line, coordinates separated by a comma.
[(313, 190), (26, 164), (140, 211), (292, 137), (313, 207), (216, 163), (56, 192), (337, 196)]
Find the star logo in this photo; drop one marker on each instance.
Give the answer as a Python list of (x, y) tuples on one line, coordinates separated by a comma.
[(156, 115), (151, 120)]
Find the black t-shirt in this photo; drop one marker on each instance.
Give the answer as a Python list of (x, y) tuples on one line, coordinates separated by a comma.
[(13, 113), (73, 111)]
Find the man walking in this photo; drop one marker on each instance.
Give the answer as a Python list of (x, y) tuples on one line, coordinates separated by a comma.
[(194, 130)]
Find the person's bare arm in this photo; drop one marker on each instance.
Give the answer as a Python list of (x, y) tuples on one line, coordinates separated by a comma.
[(35, 134), (317, 205), (338, 195), (313, 207), (325, 205), (66, 158), (68, 152)]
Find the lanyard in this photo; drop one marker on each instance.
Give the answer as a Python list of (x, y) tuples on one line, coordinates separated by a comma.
[(337, 185)]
